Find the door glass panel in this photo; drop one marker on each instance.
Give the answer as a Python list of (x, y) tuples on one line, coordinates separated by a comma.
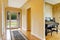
[(14, 20)]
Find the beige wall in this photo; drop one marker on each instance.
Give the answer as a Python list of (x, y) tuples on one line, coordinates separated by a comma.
[(37, 17), (56, 13), (48, 10)]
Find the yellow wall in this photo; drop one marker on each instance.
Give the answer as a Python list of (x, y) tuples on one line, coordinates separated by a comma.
[(56, 13), (37, 17)]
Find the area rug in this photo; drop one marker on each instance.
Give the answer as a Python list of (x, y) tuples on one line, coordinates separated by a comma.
[(18, 35)]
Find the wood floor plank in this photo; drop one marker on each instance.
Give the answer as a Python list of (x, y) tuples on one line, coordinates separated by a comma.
[(54, 36), (29, 35)]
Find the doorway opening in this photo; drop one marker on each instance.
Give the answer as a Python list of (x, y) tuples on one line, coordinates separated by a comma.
[(12, 23), (13, 20), (29, 19)]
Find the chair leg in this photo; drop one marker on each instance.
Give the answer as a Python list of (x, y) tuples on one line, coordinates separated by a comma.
[(51, 31), (57, 29)]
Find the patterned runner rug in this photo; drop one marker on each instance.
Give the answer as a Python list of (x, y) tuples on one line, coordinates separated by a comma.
[(18, 36)]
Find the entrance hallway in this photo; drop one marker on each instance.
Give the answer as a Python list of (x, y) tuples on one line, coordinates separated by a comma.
[(31, 17)]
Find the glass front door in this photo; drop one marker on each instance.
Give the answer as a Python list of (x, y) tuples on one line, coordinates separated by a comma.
[(13, 20)]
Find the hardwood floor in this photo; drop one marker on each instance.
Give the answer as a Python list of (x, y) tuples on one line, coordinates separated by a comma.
[(29, 35), (26, 33), (54, 36)]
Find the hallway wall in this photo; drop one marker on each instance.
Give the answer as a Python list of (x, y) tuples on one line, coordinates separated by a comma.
[(2, 13), (56, 13), (37, 17)]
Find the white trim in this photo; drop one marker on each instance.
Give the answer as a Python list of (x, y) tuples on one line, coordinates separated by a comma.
[(1, 38), (2, 18), (24, 29), (44, 22), (38, 36)]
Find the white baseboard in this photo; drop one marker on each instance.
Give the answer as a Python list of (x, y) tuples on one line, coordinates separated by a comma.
[(38, 36), (24, 29)]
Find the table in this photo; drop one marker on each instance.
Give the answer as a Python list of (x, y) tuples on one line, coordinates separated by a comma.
[(52, 25)]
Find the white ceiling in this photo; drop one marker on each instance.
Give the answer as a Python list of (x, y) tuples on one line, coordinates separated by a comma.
[(16, 3), (53, 1), (19, 3)]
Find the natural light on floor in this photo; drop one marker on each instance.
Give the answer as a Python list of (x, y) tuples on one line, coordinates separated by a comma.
[(8, 35)]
